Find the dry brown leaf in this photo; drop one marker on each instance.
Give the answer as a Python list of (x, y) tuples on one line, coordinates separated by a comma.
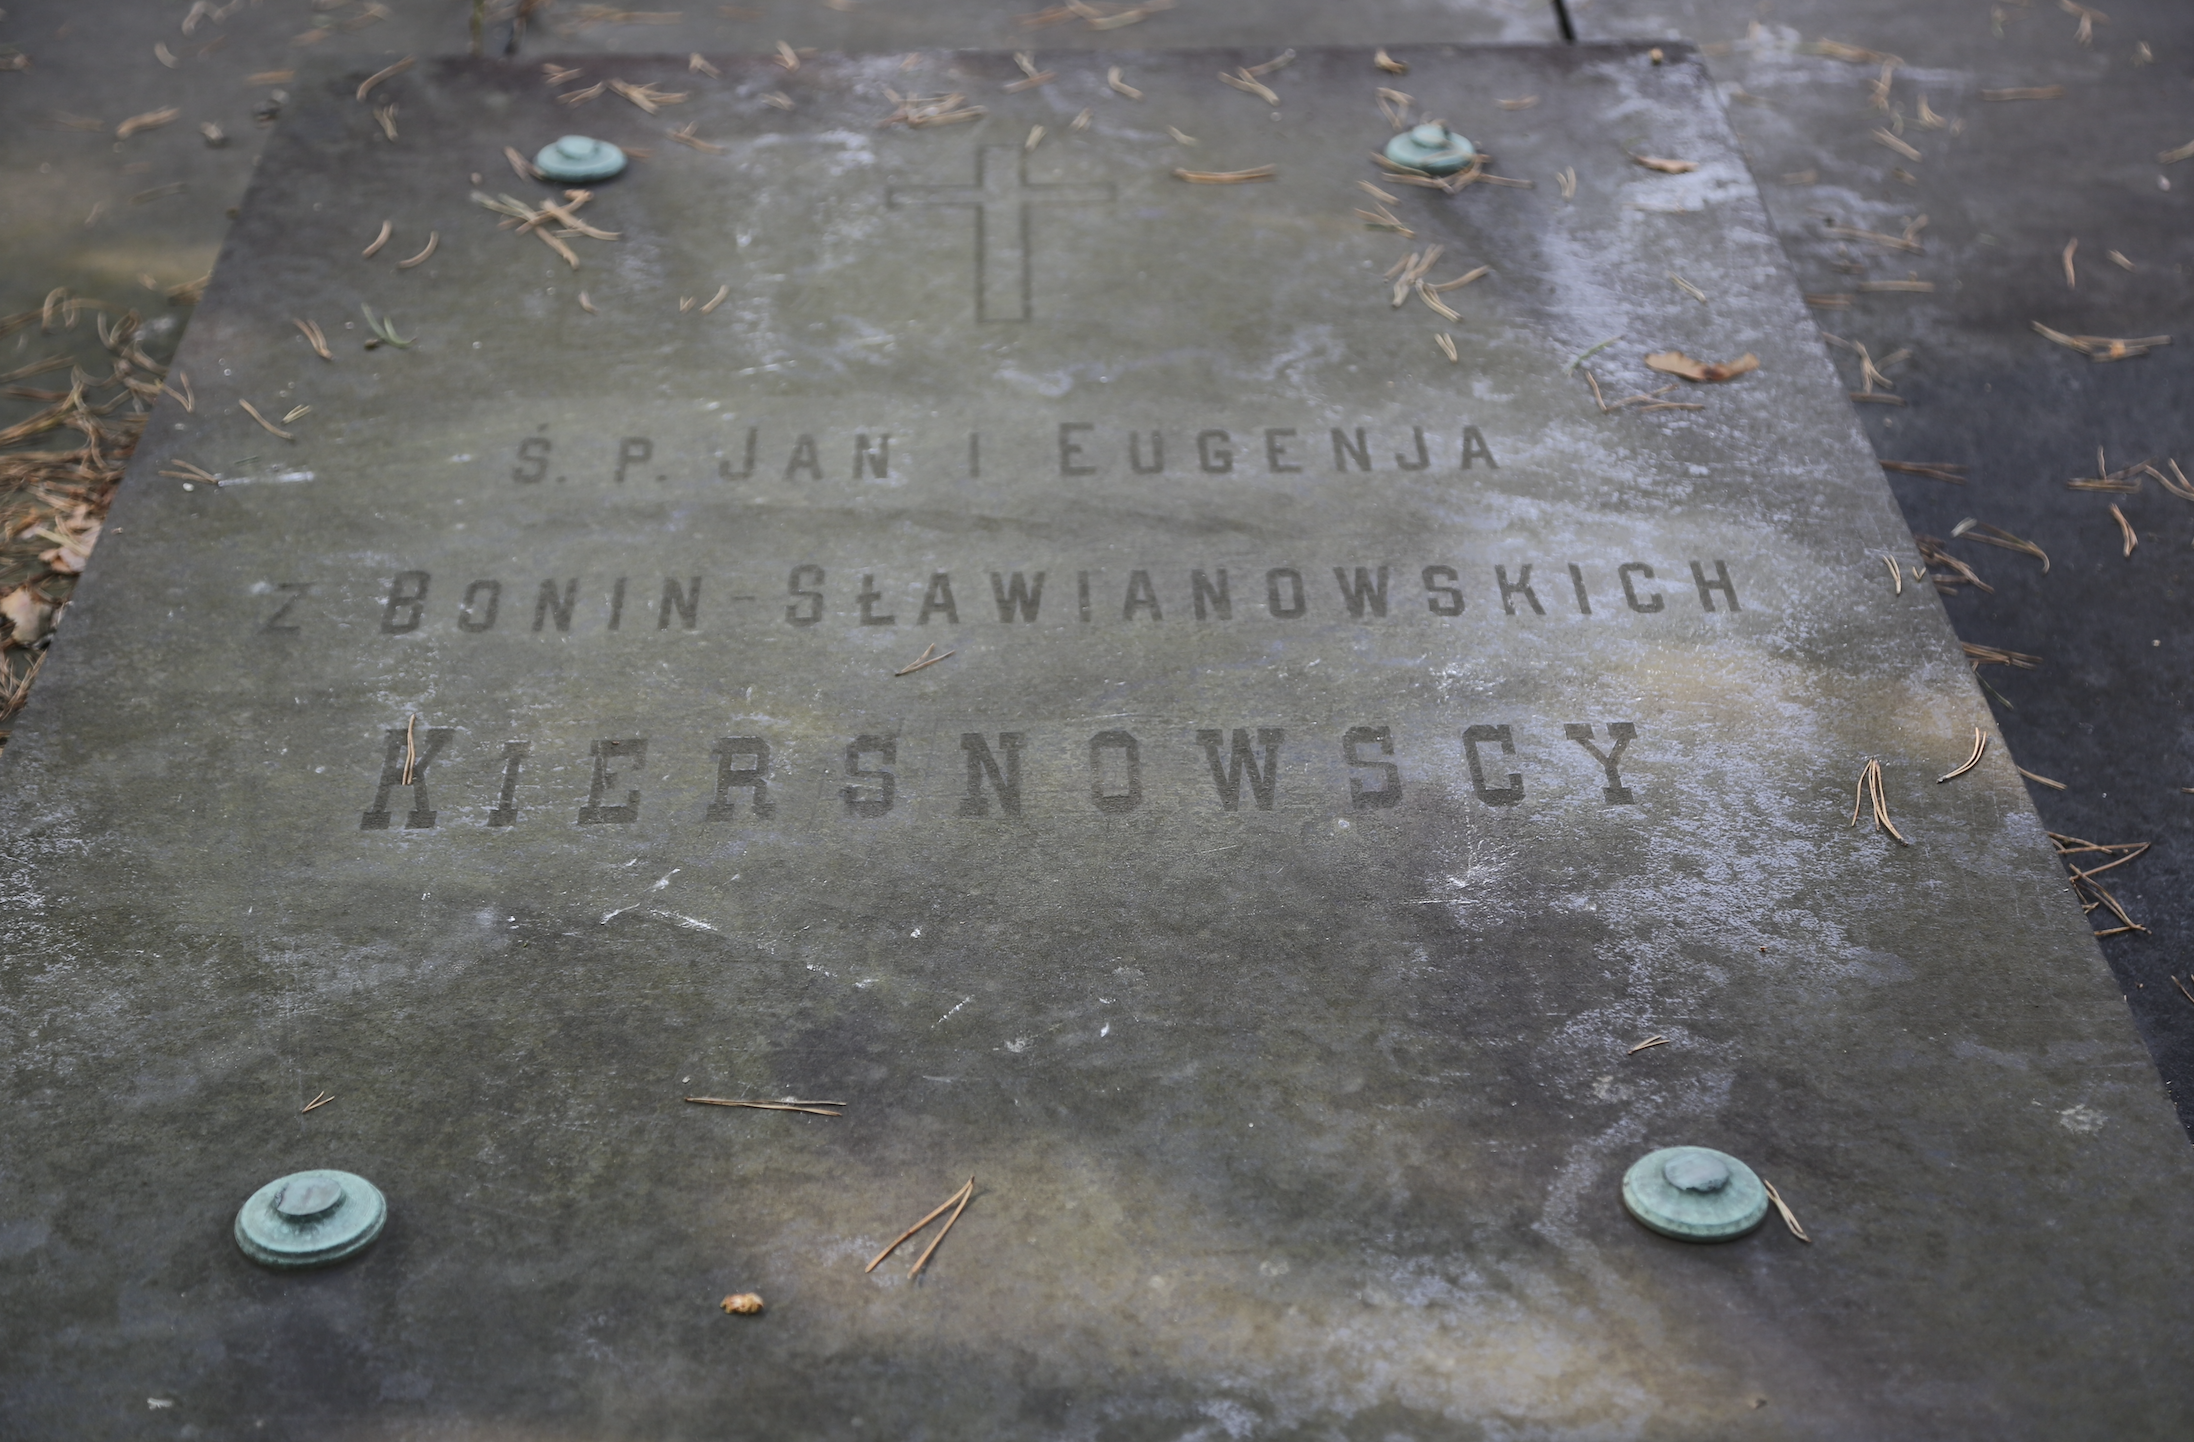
[(1676, 363), (77, 537), (27, 613)]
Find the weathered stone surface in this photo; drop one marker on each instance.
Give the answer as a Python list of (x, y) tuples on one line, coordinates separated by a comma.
[(1292, 1111)]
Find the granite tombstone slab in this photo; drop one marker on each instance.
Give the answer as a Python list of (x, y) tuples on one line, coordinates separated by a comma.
[(1341, 757)]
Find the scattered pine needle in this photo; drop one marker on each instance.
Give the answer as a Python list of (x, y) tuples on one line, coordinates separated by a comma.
[(648, 97), (1243, 82), (1227, 177), (1909, 241), (811, 1108), (388, 228), (1588, 353), (366, 87), (1112, 79), (918, 111), (1989, 535), (1934, 470), (270, 427), (1648, 1042), (716, 300), (2093, 895), (2041, 780), (685, 136), (2126, 527), (1389, 64), (1997, 656), (150, 120), (1790, 1218), (185, 471), (927, 658), (966, 1196), (959, 1197), (320, 1099), (1446, 343), (1903, 148), (434, 238), (315, 337), (1665, 166), (1870, 794), (1980, 748), (2182, 488)]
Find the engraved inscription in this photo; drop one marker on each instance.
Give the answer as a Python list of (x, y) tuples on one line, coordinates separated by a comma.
[(1002, 198)]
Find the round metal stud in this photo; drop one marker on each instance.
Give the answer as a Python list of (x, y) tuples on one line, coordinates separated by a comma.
[(579, 158), (1695, 1194), (1431, 148), (309, 1219)]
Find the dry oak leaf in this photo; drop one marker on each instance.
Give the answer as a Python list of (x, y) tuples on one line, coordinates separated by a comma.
[(28, 615), (76, 541), (1666, 167), (743, 1304), (1676, 363)]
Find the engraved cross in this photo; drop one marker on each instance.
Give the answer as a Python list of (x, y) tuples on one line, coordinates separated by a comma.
[(1002, 198)]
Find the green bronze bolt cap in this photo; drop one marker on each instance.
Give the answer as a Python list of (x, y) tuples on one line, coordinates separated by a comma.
[(309, 1219), (1431, 148), (1695, 1194), (579, 158)]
